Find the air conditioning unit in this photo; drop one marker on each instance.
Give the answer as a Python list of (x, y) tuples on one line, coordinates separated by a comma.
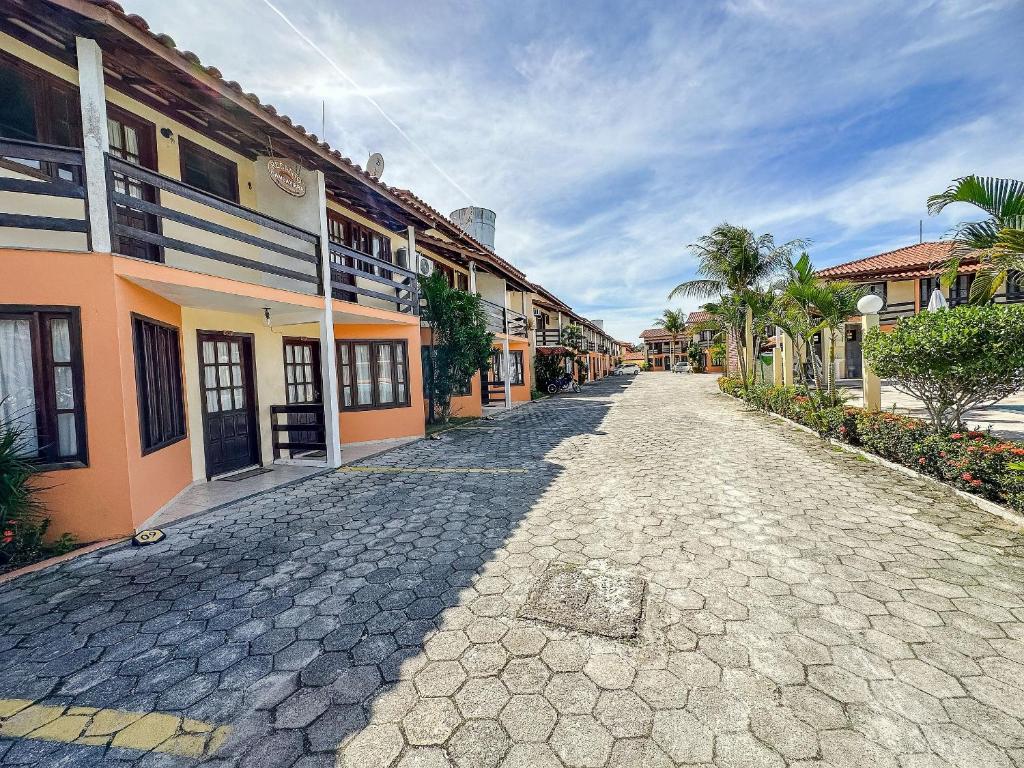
[(424, 266)]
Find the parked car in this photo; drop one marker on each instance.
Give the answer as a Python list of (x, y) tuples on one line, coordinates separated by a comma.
[(629, 369), (680, 367)]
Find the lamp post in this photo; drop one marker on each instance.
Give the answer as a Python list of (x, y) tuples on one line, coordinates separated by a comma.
[(869, 306)]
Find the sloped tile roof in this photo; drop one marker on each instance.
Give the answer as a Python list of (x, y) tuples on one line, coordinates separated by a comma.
[(918, 260)]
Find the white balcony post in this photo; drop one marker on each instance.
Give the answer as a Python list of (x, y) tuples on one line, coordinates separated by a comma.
[(472, 277), (328, 350), (95, 141), (414, 265)]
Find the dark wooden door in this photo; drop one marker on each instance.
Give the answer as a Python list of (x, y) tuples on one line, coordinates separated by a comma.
[(852, 346), (230, 426), (302, 384)]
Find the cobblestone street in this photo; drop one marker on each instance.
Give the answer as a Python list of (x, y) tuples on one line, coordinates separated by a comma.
[(800, 607)]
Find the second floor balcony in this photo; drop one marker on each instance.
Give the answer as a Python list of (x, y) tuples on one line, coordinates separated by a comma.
[(45, 205), (504, 320)]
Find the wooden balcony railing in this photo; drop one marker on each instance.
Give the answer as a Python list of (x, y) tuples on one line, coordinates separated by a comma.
[(495, 316), (144, 224), (303, 429), (29, 169), (515, 324), (355, 274), (549, 337), (897, 310)]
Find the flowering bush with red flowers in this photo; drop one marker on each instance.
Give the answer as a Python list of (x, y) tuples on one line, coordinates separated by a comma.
[(975, 462), (891, 435)]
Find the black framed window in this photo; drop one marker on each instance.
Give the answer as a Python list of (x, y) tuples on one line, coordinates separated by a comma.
[(41, 390), (373, 375), (208, 171), (158, 383), (515, 367), (461, 390), (926, 286), (960, 289)]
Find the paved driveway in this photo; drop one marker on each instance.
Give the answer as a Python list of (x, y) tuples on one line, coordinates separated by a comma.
[(799, 607)]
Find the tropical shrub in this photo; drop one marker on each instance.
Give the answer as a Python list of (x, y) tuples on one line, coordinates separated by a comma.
[(890, 435), (953, 360), (23, 521), (548, 366)]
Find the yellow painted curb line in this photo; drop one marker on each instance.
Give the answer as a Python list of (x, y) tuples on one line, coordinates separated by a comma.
[(434, 470), (144, 731)]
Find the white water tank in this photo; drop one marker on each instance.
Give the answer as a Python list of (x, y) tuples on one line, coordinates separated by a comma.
[(478, 223)]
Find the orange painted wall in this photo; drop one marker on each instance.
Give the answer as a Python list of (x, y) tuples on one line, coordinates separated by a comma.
[(386, 423), (156, 478), (91, 502), (521, 392)]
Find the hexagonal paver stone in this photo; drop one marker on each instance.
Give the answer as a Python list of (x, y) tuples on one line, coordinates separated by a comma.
[(572, 693), (842, 685), (741, 750), (484, 659), (431, 721), (783, 731), (525, 675), (524, 641), (376, 746), (588, 600), (302, 708), (353, 684), (660, 688), (609, 670), (624, 714), (531, 756), (683, 737), (478, 744), (440, 678), (528, 718), (446, 646), (639, 753), (581, 742), (565, 655), (482, 697), (424, 757)]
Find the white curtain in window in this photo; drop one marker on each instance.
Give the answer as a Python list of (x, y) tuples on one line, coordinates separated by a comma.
[(385, 386), (364, 381), (17, 392)]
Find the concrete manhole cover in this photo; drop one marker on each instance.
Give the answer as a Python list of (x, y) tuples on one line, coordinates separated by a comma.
[(587, 600)]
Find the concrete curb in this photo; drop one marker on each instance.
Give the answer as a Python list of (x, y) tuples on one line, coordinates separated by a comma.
[(983, 504)]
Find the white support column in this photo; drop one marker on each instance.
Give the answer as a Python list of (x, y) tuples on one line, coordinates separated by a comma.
[(777, 358), (506, 357), (787, 360), (872, 385), (472, 277), (410, 236), (328, 348), (95, 141)]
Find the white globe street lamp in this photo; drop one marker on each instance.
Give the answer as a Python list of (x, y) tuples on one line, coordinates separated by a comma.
[(870, 304)]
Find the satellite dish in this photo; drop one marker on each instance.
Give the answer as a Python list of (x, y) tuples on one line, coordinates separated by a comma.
[(375, 165)]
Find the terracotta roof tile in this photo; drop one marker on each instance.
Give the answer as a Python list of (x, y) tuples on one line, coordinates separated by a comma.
[(699, 316), (918, 260)]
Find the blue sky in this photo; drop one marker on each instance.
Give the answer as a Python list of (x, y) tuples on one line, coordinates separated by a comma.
[(607, 136)]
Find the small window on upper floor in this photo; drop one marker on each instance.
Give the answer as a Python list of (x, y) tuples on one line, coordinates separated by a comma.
[(208, 171)]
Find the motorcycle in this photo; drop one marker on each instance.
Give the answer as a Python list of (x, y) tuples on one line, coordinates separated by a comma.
[(564, 383)]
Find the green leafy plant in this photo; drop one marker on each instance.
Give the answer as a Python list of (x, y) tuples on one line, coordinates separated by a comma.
[(953, 360), (673, 322), (460, 344), (549, 365), (572, 338), (23, 521), (997, 240)]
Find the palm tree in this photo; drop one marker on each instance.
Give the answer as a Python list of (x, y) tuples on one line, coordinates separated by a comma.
[(734, 260), (835, 303), (673, 322), (726, 317), (998, 239)]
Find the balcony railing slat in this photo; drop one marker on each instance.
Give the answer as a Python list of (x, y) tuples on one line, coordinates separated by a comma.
[(337, 249), (195, 195), (315, 428), (343, 269), (341, 288), (208, 226), (54, 188), (54, 224), (31, 150), (211, 253)]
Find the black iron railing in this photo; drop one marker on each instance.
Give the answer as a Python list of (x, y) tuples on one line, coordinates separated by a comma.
[(44, 170), (140, 213), (897, 310)]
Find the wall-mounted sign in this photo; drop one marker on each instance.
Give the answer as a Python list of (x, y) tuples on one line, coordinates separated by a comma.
[(286, 176)]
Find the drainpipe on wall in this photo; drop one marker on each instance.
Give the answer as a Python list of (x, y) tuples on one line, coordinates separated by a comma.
[(95, 141), (328, 349)]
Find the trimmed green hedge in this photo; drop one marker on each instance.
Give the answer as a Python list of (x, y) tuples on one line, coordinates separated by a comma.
[(972, 461)]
